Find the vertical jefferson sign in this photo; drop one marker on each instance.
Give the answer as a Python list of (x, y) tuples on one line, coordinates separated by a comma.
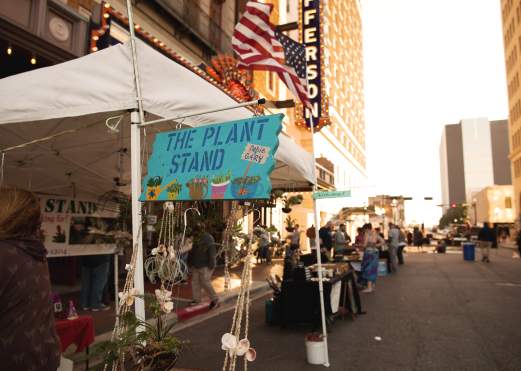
[(231, 160), (311, 32)]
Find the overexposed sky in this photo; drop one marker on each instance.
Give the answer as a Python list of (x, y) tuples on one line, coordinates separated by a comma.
[(427, 63)]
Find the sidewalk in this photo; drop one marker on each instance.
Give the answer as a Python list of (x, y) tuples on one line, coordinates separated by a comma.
[(104, 320)]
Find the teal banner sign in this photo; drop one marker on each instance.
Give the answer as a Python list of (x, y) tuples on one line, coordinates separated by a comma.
[(331, 194), (226, 161)]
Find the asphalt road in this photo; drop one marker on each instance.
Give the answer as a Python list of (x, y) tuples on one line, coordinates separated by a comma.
[(437, 313)]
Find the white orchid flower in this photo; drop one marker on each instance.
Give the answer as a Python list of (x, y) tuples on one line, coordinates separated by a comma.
[(167, 306), (163, 295), (240, 348), (128, 296)]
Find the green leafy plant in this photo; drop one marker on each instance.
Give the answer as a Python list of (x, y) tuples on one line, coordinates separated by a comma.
[(271, 229), (153, 347), (247, 180), (154, 181), (291, 201), (290, 223), (219, 179)]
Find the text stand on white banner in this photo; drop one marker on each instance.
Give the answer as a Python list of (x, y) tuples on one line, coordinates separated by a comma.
[(317, 245)]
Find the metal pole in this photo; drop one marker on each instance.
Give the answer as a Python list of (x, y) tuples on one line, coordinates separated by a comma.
[(317, 245), (135, 161), (245, 104), (116, 283)]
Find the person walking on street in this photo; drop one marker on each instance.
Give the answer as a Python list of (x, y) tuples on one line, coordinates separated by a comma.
[(372, 242), (28, 339), (394, 241), (418, 238), (201, 260), (487, 239)]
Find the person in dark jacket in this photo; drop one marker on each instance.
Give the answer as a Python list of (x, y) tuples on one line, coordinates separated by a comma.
[(487, 239), (201, 260), (28, 339), (326, 238)]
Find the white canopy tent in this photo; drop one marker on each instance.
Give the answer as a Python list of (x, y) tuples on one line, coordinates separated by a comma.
[(81, 94)]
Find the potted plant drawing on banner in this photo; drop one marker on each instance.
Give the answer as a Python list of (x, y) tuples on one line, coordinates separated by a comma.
[(230, 160)]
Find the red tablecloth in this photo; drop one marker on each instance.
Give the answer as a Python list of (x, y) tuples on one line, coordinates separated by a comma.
[(79, 331)]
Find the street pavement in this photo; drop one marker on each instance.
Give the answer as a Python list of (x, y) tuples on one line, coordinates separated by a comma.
[(437, 313)]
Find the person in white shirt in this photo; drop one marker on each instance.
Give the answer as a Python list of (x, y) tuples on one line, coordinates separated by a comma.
[(295, 238)]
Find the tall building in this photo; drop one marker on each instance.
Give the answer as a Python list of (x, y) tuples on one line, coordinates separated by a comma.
[(332, 32), (473, 155), (511, 16)]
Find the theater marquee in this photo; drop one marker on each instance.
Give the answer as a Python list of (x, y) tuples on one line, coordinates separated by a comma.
[(311, 33)]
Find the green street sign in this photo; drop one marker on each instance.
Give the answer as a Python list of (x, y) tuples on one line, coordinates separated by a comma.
[(331, 194)]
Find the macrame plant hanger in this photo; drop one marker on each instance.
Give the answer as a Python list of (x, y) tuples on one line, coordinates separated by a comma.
[(230, 341)]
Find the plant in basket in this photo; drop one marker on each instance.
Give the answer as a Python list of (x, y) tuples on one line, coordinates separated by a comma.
[(220, 184), (290, 224), (291, 201), (198, 187), (153, 347)]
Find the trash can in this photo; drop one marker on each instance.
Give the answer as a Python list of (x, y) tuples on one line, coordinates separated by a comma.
[(469, 251)]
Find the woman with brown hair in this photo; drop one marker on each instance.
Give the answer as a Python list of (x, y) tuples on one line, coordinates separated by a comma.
[(28, 339)]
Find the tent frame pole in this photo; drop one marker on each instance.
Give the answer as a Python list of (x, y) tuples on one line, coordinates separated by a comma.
[(137, 117), (245, 104), (317, 246)]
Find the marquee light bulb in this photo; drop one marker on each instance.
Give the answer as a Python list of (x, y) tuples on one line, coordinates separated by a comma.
[(106, 15), (9, 50), (33, 60)]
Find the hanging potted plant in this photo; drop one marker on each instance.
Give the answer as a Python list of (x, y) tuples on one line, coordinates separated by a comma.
[(151, 348), (291, 201), (220, 184), (290, 224)]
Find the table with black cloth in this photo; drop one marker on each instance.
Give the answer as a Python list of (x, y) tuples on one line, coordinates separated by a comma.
[(300, 299)]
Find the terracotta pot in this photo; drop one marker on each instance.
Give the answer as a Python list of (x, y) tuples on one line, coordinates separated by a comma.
[(197, 191)]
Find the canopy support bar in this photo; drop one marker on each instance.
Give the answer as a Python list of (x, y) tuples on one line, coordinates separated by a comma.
[(245, 104)]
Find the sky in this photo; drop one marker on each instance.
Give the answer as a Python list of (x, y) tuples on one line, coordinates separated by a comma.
[(427, 63)]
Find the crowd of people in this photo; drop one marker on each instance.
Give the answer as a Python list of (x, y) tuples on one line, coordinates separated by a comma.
[(335, 242)]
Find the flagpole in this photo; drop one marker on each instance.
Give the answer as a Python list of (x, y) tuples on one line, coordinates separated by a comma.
[(317, 240)]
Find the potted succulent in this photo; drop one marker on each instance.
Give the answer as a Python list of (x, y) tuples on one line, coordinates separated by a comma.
[(198, 187), (144, 345), (174, 190), (290, 201), (290, 224), (154, 187), (220, 184), (245, 187)]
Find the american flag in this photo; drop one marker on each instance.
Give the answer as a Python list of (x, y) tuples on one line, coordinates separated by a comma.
[(259, 47)]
